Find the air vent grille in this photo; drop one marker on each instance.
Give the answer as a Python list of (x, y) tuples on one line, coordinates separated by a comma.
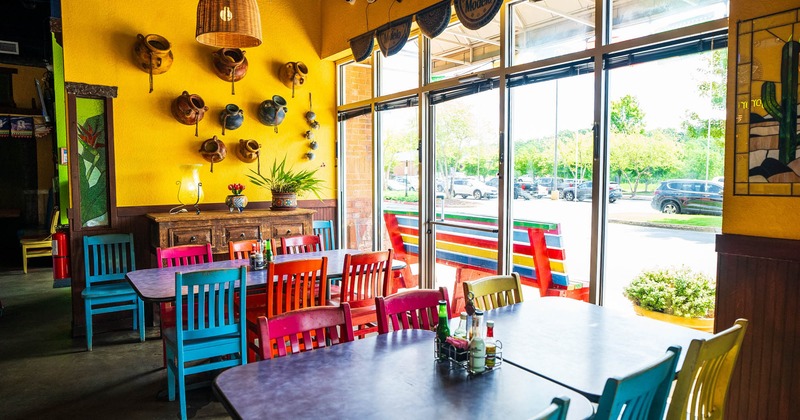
[(9, 47)]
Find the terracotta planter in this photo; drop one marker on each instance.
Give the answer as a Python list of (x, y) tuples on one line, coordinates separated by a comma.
[(701, 324), (284, 201)]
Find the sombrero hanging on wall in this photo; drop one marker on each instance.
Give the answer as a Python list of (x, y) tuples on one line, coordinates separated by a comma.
[(433, 20), (475, 14), (362, 45), (392, 36)]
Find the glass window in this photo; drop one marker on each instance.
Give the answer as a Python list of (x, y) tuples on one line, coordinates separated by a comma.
[(399, 160), (637, 18), (545, 29), (356, 81), (459, 51), (400, 72), (358, 183)]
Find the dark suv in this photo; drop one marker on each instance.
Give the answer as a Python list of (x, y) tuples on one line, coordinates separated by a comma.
[(584, 192), (688, 196)]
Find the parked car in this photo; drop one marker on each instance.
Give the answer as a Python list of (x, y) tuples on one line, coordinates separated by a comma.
[(472, 187), (518, 191), (394, 185), (584, 192), (531, 187), (688, 196), (548, 183)]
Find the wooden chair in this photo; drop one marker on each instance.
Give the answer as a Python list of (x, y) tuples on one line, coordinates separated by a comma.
[(304, 329), (300, 244), (240, 250), (412, 309), (324, 229), (702, 385), (177, 256), (38, 246), (365, 277), (297, 284), (556, 411), (641, 395), (106, 259), (542, 256), (494, 291), (208, 331)]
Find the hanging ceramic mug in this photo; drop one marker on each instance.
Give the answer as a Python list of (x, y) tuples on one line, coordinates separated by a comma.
[(231, 117), (189, 109), (213, 150), (272, 111), (293, 74), (153, 54), (230, 65)]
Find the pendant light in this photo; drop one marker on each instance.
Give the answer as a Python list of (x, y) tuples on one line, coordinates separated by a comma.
[(228, 23)]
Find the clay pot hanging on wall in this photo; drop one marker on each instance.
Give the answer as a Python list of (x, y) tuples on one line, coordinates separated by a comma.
[(189, 109), (272, 111), (230, 65), (153, 54), (248, 150), (213, 150), (231, 117), (293, 75)]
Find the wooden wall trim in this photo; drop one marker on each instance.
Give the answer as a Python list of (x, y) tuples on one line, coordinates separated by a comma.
[(759, 247)]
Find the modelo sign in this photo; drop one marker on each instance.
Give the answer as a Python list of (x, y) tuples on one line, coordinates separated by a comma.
[(474, 14)]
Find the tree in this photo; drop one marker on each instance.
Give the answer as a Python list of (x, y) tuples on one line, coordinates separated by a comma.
[(637, 158), (627, 116)]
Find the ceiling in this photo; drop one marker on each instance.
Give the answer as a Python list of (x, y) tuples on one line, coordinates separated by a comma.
[(26, 22)]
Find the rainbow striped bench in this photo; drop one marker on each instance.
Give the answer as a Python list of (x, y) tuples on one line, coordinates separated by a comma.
[(474, 253)]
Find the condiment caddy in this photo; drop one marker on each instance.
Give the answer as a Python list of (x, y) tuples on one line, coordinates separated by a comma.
[(468, 349)]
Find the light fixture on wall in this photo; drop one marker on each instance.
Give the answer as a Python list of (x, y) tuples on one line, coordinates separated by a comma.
[(228, 23)]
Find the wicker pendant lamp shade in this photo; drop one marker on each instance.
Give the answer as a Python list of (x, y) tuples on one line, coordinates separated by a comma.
[(228, 23)]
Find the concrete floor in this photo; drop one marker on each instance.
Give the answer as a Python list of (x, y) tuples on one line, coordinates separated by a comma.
[(45, 373)]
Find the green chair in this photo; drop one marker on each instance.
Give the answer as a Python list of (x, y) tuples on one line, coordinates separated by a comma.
[(206, 336), (557, 410), (324, 229), (494, 291), (706, 373), (641, 395)]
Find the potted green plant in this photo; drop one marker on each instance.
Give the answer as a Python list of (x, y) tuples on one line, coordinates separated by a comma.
[(675, 294), (286, 183)]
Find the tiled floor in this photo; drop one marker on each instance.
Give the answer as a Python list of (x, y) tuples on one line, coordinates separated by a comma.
[(44, 373)]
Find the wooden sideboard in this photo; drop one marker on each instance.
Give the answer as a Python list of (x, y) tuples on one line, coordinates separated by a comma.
[(220, 227)]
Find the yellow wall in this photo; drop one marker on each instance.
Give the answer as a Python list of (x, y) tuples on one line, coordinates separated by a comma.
[(25, 86), (773, 217), (99, 37)]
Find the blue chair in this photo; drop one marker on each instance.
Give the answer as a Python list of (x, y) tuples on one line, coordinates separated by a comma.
[(641, 395), (324, 229), (206, 328), (107, 258), (557, 410)]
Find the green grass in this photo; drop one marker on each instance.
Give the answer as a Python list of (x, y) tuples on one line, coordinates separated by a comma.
[(687, 220), (400, 196)]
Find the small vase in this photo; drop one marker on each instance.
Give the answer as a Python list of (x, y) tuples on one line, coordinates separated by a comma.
[(236, 202), (284, 201)]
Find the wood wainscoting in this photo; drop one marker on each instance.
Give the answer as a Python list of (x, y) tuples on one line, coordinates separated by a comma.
[(133, 219), (759, 279)]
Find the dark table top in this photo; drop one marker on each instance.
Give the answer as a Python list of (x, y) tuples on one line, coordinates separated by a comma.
[(580, 345), (158, 284), (387, 376)]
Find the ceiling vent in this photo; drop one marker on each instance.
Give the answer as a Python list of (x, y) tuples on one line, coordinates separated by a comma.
[(9, 47)]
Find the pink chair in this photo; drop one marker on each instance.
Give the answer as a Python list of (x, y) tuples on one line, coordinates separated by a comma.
[(177, 256), (300, 244), (413, 309), (304, 329)]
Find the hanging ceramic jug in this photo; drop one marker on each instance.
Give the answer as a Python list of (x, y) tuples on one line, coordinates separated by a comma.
[(153, 55), (231, 118), (248, 150), (293, 75), (272, 111), (213, 150), (189, 109), (230, 65)]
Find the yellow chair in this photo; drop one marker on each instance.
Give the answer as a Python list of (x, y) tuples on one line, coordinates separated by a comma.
[(494, 291), (38, 246), (702, 385)]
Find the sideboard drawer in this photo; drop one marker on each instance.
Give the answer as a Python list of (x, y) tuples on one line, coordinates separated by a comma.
[(193, 236), (287, 229), (240, 233)]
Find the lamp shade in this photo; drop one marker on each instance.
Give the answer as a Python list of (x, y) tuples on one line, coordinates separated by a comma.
[(228, 23)]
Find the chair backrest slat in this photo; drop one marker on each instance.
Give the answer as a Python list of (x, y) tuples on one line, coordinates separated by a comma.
[(296, 284), (240, 250), (556, 411), (211, 297), (304, 329), (300, 244), (412, 309), (324, 229), (495, 291), (184, 255), (365, 276), (107, 258)]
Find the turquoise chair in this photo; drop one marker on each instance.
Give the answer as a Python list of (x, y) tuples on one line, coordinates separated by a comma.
[(324, 229), (107, 258), (207, 330), (556, 411), (641, 395)]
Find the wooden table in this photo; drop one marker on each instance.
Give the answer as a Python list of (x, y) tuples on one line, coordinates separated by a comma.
[(580, 345), (387, 376), (158, 284)]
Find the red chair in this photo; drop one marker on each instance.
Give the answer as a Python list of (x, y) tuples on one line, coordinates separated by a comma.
[(177, 256), (412, 309), (300, 244), (240, 250), (296, 284), (365, 277), (304, 329)]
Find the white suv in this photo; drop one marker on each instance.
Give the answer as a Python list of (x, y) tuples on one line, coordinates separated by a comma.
[(472, 187)]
